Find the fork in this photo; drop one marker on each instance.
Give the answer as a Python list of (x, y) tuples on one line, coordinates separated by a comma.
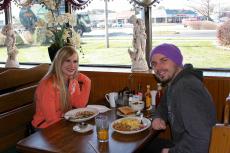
[(142, 118), (138, 113)]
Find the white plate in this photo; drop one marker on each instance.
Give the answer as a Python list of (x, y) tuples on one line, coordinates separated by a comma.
[(146, 123), (70, 115), (89, 127), (100, 108)]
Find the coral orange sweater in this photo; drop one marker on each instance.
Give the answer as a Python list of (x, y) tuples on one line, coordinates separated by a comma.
[(47, 98)]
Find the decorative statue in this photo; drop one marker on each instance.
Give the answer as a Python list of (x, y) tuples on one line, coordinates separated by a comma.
[(139, 43), (10, 41)]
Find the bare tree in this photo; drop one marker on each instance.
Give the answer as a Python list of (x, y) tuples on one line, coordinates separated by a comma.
[(203, 7)]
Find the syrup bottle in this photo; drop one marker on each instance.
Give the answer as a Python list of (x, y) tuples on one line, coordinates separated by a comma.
[(159, 94), (148, 99)]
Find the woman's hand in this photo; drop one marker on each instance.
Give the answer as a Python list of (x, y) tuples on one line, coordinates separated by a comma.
[(81, 78)]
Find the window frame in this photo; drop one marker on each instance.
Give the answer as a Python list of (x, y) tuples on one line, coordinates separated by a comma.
[(8, 19)]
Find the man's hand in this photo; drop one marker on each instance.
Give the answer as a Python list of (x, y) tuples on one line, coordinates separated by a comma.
[(165, 150), (158, 124)]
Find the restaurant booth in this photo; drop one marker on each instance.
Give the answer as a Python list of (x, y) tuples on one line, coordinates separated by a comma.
[(17, 107), (17, 87)]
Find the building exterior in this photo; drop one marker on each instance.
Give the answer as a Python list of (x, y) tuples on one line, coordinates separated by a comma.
[(115, 19), (172, 15)]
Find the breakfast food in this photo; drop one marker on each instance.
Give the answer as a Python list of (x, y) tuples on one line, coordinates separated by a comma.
[(129, 124), (136, 103), (83, 114), (126, 110)]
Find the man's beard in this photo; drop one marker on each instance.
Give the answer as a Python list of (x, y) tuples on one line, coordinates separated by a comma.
[(164, 81), (158, 79), (170, 78)]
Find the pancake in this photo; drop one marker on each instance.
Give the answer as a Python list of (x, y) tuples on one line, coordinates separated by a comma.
[(126, 110)]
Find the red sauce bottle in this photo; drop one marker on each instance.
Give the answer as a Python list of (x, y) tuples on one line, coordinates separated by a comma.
[(159, 94)]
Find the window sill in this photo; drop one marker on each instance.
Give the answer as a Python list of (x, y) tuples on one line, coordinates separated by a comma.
[(128, 70), (207, 73), (110, 69)]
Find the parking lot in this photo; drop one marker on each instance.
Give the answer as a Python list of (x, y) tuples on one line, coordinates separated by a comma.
[(158, 30)]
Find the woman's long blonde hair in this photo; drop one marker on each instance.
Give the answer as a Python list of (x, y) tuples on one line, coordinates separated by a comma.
[(57, 75)]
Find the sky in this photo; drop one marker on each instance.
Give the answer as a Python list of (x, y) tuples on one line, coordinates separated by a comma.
[(112, 4), (99, 4), (169, 4)]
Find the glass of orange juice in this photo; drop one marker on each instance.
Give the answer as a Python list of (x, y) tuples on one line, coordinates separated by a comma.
[(102, 126)]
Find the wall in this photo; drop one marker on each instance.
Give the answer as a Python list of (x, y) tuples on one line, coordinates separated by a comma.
[(219, 88), (104, 82)]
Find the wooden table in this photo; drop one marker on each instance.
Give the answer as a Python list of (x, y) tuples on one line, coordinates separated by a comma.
[(60, 138)]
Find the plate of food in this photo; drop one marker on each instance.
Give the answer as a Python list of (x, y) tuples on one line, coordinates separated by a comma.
[(81, 114), (131, 125), (125, 111)]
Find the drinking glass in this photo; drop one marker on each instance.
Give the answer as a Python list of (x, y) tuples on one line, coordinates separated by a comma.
[(102, 127)]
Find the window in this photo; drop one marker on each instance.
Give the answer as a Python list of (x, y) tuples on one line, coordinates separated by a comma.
[(179, 22), (3, 53), (113, 49), (31, 43), (183, 23)]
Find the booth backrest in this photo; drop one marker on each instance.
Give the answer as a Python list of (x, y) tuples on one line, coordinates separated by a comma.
[(17, 90), (13, 79), (16, 112), (18, 98)]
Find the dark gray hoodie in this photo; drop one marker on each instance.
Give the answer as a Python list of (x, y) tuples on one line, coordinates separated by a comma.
[(189, 109)]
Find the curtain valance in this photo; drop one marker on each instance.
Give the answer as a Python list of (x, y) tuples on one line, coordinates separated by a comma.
[(4, 4), (79, 4)]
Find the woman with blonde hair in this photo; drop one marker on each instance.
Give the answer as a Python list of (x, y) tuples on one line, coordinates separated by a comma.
[(62, 89)]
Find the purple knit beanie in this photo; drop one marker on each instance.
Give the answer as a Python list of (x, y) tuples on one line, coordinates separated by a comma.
[(170, 51)]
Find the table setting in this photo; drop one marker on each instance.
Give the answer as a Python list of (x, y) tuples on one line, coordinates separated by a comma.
[(95, 128), (129, 119)]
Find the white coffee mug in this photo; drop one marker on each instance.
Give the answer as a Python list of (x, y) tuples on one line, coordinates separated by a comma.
[(111, 98)]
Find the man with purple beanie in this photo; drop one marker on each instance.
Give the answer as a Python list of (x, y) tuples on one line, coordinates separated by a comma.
[(186, 104)]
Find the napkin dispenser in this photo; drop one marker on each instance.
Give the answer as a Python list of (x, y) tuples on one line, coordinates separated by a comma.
[(123, 97)]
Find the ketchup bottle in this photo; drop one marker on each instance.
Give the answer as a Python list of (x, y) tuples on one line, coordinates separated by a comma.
[(159, 94)]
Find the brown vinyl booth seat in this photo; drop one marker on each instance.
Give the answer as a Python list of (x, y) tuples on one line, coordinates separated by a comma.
[(220, 140), (13, 79), (17, 89)]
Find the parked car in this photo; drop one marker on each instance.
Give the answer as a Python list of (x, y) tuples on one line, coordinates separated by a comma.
[(187, 21), (83, 23), (101, 25), (116, 25)]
